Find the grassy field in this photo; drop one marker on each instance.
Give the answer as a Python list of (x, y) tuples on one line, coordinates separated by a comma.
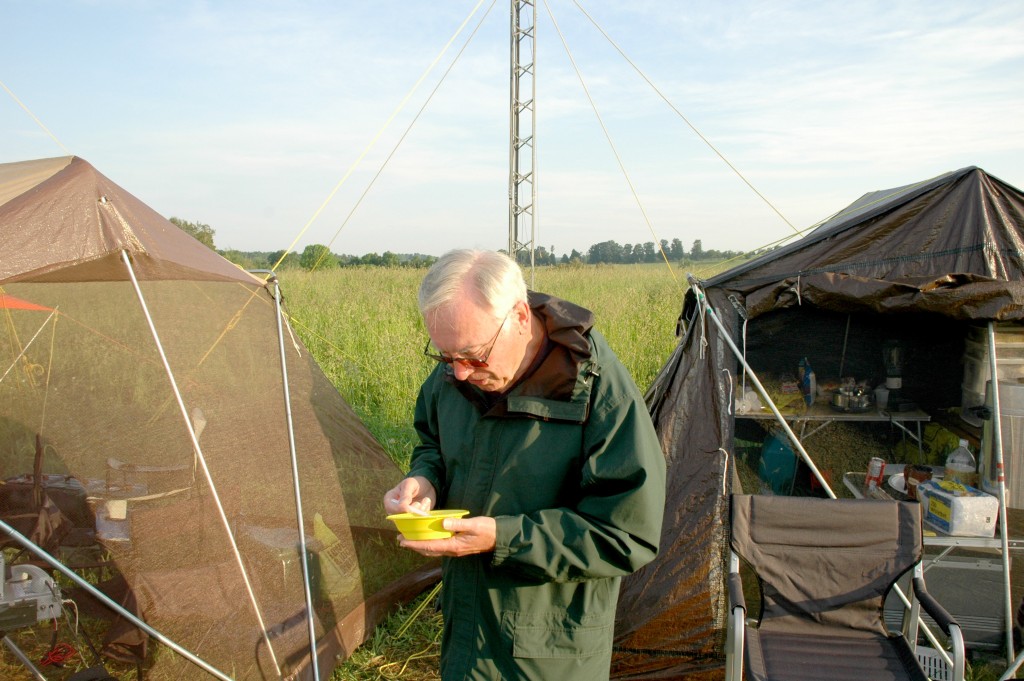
[(364, 329)]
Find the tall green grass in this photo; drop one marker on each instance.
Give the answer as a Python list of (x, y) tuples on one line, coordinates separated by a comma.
[(364, 329)]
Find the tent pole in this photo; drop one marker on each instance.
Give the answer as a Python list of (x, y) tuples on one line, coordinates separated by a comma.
[(106, 600), (997, 451), (846, 338), (202, 458), (18, 653), (702, 300), (295, 480)]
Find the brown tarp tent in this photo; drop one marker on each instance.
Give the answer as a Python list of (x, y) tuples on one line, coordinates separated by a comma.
[(190, 501), (918, 263)]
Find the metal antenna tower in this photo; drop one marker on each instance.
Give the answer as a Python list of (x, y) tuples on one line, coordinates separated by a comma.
[(522, 151)]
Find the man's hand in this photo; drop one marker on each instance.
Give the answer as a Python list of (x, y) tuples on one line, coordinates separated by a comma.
[(409, 496), (471, 535)]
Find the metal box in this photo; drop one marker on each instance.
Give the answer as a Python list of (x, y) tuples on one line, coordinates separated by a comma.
[(970, 589)]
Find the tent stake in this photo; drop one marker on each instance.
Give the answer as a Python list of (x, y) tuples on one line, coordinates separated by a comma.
[(202, 459), (295, 481)]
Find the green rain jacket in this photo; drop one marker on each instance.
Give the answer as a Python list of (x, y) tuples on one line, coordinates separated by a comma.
[(569, 465)]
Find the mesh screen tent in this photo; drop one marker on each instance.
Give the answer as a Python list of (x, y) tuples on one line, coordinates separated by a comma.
[(188, 503), (922, 263)]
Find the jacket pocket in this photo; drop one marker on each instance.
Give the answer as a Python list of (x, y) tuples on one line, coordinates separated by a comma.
[(552, 636)]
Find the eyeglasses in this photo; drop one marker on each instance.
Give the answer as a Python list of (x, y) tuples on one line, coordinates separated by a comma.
[(469, 361)]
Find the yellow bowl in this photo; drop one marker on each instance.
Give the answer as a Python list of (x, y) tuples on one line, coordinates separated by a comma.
[(418, 527)]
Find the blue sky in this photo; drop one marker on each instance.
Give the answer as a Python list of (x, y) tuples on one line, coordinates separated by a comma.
[(247, 115)]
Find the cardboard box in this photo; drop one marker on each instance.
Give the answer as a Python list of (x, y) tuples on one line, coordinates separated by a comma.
[(958, 510)]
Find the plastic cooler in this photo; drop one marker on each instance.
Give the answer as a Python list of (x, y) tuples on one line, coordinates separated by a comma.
[(1009, 341), (1011, 417)]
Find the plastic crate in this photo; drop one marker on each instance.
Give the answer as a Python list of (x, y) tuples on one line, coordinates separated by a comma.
[(935, 668)]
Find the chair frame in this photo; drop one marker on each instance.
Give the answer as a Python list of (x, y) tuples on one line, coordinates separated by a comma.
[(919, 598)]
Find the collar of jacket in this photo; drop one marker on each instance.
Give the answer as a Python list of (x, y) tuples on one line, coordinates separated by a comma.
[(558, 389)]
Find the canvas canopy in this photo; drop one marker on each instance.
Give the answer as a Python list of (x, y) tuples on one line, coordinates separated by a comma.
[(919, 263), (157, 418)]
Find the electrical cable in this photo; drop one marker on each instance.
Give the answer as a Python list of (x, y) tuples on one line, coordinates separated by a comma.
[(83, 634), (58, 655)]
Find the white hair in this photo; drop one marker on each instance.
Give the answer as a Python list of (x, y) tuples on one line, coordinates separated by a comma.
[(492, 279)]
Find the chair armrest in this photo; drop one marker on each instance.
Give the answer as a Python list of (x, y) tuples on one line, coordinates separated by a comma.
[(735, 639), (736, 599), (946, 623), (932, 606)]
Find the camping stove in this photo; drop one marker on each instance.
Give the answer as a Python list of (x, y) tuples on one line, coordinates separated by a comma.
[(28, 595)]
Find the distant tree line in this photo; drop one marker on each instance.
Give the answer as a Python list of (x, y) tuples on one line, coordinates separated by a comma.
[(611, 252), (200, 232), (319, 256)]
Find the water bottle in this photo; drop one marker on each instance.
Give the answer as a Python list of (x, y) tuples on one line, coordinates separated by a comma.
[(961, 466), (808, 384)]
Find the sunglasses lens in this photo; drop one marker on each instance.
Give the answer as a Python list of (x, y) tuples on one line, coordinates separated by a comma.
[(465, 361)]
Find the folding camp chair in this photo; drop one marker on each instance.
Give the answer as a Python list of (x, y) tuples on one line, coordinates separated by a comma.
[(824, 567)]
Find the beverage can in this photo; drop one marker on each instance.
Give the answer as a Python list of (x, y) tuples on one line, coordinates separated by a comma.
[(876, 471)]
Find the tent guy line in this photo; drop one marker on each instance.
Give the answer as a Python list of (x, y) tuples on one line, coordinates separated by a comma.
[(689, 124), (405, 133), (373, 141), (611, 143), (34, 118)]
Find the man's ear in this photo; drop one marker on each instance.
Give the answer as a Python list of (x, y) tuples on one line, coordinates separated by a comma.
[(522, 316)]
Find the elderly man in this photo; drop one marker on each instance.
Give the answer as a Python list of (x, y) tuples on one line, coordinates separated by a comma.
[(531, 423)]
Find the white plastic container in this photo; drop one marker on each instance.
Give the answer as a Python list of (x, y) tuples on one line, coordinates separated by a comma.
[(1011, 416), (977, 369), (881, 397), (969, 399), (1007, 333), (1009, 342), (967, 513)]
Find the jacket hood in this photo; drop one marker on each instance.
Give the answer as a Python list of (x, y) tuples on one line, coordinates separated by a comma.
[(567, 326)]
